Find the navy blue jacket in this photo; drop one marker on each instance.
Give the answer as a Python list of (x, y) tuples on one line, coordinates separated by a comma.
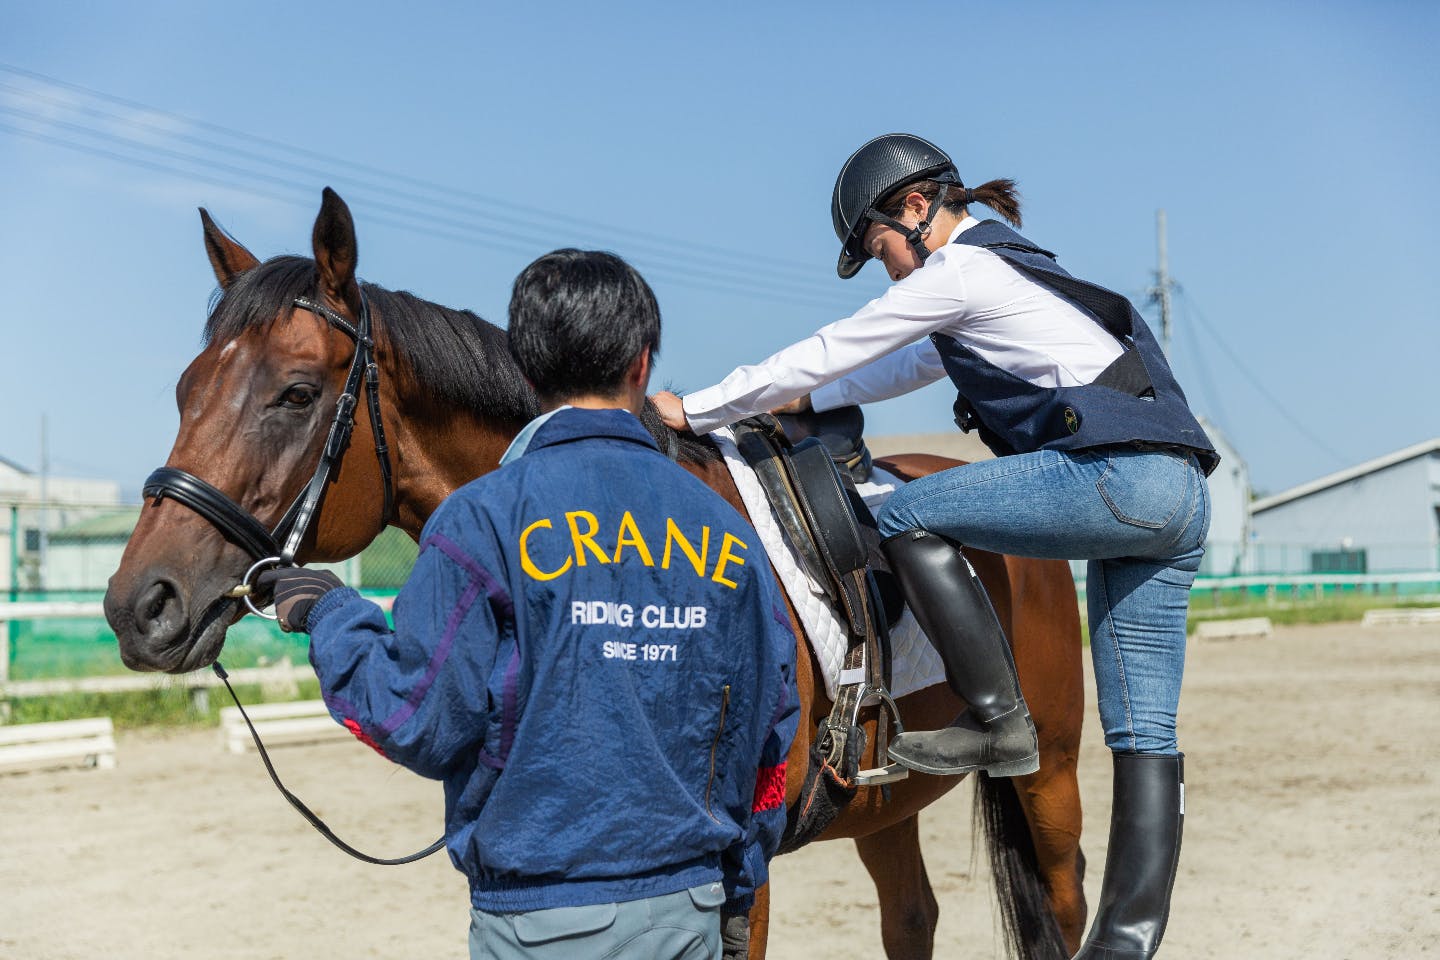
[(593, 655), (1137, 400)]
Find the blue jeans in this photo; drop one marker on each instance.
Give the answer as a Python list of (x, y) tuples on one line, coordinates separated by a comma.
[(1139, 517)]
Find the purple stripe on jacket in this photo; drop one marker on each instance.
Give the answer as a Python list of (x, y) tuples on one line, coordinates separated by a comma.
[(479, 579)]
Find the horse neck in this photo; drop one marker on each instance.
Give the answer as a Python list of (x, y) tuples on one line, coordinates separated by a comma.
[(436, 446), (436, 455), (715, 475), (437, 452)]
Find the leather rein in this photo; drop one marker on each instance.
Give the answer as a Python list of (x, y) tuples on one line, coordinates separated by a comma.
[(265, 546)]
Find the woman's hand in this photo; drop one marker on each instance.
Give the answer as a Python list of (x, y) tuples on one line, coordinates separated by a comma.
[(798, 405), (672, 412)]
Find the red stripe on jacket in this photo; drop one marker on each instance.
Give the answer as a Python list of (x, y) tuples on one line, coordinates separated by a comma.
[(364, 737), (769, 788)]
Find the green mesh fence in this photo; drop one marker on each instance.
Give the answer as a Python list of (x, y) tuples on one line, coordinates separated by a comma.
[(85, 646)]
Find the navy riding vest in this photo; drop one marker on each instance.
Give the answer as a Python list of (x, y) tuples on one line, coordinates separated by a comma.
[(1134, 401)]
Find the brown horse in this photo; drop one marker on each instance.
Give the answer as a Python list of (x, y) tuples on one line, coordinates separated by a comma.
[(255, 406)]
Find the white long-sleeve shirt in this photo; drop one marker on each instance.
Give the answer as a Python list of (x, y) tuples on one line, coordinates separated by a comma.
[(884, 350)]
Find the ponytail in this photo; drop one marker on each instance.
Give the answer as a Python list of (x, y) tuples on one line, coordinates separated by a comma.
[(999, 195)]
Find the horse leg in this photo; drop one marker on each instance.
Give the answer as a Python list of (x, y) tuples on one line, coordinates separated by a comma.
[(1045, 624), (1050, 798), (760, 923), (908, 909)]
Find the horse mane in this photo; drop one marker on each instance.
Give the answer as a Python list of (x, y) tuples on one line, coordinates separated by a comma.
[(459, 358), (684, 447)]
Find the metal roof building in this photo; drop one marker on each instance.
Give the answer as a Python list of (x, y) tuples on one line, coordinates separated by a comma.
[(1382, 516)]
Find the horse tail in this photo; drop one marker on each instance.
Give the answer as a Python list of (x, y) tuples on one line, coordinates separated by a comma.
[(1030, 929)]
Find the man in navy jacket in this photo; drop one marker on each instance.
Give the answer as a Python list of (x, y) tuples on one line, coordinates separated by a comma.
[(591, 653)]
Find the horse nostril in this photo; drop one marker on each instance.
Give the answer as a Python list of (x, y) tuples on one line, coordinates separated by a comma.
[(159, 613)]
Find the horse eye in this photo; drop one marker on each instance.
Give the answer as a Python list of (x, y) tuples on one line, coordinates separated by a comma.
[(297, 397)]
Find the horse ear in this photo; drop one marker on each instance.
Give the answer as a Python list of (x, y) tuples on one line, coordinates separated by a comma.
[(335, 255), (227, 257)]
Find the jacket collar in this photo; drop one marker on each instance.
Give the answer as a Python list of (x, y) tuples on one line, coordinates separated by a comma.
[(573, 423)]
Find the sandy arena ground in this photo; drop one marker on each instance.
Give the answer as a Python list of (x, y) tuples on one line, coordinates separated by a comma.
[(1313, 831)]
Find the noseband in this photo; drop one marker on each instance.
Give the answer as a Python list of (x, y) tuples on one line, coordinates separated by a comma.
[(238, 524)]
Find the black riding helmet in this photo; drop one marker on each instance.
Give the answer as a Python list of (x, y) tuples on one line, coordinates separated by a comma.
[(870, 175)]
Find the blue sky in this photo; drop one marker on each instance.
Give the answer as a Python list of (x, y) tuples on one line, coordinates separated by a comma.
[(1292, 145)]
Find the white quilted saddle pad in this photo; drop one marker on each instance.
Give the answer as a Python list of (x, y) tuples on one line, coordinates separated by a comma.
[(914, 662)]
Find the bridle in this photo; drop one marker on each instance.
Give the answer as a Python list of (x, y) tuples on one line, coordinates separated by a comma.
[(239, 525), (265, 547)]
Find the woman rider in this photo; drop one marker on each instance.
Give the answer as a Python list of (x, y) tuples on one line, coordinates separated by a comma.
[(1099, 459)]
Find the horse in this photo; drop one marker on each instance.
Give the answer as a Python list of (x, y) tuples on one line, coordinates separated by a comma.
[(285, 340)]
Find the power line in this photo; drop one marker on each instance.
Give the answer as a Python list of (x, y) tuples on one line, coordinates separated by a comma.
[(515, 228), (792, 273), (1260, 387), (1202, 368), (450, 229), (448, 191)]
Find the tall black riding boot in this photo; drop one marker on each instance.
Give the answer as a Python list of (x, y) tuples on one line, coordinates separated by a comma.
[(995, 733), (1145, 825)]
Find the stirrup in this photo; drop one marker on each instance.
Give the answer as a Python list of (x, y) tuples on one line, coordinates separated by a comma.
[(894, 770)]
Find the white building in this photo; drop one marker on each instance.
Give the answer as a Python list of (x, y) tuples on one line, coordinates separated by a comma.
[(1230, 493), (83, 555), (24, 516), (1382, 516)]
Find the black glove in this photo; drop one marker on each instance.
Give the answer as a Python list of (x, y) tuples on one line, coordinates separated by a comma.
[(734, 936), (295, 591)]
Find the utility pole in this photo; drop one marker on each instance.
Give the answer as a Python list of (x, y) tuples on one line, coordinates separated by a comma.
[(1160, 293), (44, 499)]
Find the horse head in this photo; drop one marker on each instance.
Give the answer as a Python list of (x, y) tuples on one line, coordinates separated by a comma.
[(256, 408)]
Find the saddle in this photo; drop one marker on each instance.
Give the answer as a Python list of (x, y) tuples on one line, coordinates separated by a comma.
[(817, 507), (841, 430)]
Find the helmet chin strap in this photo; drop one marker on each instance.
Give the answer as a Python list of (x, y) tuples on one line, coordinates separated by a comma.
[(916, 235)]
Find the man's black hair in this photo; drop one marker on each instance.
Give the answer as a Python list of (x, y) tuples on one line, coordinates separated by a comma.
[(578, 320)]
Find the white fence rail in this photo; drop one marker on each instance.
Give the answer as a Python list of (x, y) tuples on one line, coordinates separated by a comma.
[(304, 721), (65, 743), (285, 675), (279, 679), (1404, 617), (41, 610), (1317, 579), (1233, 629)]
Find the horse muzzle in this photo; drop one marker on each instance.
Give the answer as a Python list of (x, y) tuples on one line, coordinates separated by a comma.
[(159, 628)]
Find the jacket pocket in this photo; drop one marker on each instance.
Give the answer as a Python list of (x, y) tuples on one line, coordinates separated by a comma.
[(1144, 488), (542, 926), (708, 896), (715, 746)]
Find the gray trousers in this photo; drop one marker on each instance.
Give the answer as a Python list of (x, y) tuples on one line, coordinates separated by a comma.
[(673, 926)]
